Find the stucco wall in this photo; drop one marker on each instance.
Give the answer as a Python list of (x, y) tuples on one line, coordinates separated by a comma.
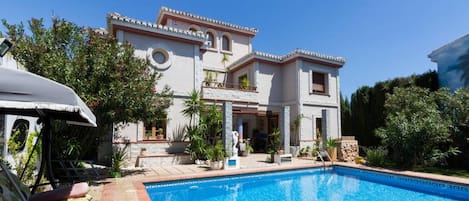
[(183, 62), (310, 113), (212, 58), (271, 83), (305, 79), (448, 73), (290, 82), (174, 127), (184, 67)]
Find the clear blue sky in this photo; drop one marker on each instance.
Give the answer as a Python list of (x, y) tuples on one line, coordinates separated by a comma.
[(380, 39)]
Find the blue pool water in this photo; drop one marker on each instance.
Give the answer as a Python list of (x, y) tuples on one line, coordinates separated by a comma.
[(338, 183)]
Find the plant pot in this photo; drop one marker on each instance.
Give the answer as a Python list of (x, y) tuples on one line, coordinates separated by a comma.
[(245, 153), (332, 153), (199, 162), (159, 137), (216, 165)]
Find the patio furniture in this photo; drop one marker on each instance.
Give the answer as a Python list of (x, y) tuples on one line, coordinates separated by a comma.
[(12, 189)]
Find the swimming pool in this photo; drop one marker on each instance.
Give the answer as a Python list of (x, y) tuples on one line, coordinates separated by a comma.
[(336, 183)]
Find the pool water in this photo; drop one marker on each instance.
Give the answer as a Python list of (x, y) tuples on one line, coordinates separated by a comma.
[(338, 183)]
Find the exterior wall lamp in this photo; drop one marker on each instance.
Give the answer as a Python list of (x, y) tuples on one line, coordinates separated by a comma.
[(5, 45)]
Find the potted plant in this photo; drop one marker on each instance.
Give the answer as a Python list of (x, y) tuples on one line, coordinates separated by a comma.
[(245, 148), (331, 147), (160, 135), (216, 155), (274, 145), (119, 156), (315, 152), (148, 134), (249, 148), (303, 152), (244, 83)]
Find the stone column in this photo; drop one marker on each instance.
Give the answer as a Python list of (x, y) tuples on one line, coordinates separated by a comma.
[(285, 128), (325, 127), (227, 126)]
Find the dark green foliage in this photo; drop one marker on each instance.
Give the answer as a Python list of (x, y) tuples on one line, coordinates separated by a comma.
[(367, 106), (119, 155), (376, 156), (216, 152), (455, 107), (415, 129), (346, 116), (204, 134), (274, 141), (117, 86)]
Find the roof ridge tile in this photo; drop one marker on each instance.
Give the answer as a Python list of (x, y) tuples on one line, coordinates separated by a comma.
[(122, 18), (210, 20)]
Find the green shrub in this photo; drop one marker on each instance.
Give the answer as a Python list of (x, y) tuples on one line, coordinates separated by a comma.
[(376, 156), (119, 155)]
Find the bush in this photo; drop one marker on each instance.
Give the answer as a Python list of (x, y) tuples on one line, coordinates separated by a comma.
[(119, 155), (376, 156)]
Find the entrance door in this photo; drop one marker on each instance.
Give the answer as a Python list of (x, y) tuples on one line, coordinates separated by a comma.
[(245, 130)]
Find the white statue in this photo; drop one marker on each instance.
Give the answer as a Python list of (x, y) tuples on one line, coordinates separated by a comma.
[(235, 144)]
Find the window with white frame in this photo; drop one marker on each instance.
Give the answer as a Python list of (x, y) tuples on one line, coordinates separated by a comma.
[(226, 43), (211, 39), (319, 83)]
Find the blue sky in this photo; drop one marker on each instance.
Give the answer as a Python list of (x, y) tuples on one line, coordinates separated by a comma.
[(380, 39)]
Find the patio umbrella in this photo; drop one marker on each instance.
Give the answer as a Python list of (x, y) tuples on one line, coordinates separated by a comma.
[(28, 94)]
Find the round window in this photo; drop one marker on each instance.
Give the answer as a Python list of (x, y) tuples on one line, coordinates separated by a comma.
[(159, 58)]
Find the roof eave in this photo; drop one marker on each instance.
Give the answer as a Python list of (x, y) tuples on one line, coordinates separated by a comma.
[(208, 21), (169, 31)]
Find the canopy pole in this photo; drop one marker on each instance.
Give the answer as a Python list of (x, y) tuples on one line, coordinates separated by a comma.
[(45, 156), (41, 168)]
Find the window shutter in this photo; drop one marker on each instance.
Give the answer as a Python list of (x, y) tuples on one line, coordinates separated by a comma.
[(319, 84)]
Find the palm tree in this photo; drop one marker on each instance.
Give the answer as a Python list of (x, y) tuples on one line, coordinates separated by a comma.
[(225, 59), (192, 106)]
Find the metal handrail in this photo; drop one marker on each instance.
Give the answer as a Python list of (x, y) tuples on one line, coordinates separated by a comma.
[(328, 156), (323, 162)]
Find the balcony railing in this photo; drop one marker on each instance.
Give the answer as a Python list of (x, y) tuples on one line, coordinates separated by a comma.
[(229, 91), (221, 85)]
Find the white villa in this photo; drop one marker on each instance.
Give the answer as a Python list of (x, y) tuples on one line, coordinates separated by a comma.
[(447, 59), (217, 59)]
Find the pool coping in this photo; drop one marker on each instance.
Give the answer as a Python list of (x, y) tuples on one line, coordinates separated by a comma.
[(143, 195)]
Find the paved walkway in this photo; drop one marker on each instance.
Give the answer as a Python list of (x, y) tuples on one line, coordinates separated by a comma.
[(130, 187)]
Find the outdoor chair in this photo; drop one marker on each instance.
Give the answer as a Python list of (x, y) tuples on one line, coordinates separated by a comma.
[(12, 189)]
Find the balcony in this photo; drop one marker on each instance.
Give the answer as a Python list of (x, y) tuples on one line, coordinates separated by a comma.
[(229, 92)]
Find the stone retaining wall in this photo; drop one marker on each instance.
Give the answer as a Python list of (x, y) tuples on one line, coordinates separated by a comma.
[(348, 149)]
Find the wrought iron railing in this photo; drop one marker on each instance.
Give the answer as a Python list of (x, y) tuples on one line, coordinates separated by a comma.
[(223, 85)]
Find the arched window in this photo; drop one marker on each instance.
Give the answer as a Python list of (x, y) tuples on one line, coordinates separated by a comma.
[(211, 39), (226, 43)]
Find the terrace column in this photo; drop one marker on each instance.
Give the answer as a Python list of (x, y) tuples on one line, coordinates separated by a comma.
[(227, 126), (285, 128), (325, 128)]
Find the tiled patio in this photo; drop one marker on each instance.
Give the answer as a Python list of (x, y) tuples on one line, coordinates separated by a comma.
[(130, 186)]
